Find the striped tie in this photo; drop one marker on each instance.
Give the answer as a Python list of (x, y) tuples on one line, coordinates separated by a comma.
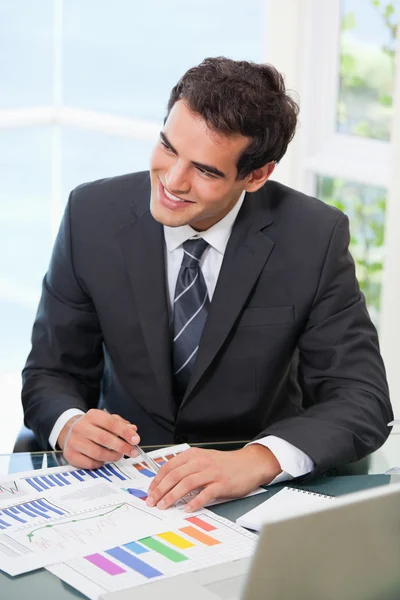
[(190, 313)]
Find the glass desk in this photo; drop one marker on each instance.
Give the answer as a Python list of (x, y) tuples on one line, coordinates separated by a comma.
[(42, 584)]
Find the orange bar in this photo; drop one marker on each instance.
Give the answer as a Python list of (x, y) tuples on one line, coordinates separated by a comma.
[(200, 523), (199, 536)]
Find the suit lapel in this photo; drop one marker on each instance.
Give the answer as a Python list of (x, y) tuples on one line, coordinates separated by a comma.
[(246, 254), (143, 247)]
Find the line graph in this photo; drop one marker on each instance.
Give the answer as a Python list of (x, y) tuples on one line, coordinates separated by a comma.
[(84, 528)]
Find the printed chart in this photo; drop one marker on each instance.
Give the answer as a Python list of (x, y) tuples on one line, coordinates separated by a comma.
[(10, 489), (111, 473), (197, 542), (41, 531)]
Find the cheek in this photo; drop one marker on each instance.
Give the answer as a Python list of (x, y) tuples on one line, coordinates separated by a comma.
[(157, 160)]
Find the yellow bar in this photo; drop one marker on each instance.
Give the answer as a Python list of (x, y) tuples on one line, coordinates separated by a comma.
[(175, 539)]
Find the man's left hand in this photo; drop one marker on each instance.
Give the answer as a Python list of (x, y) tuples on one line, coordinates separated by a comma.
[(218, 474)]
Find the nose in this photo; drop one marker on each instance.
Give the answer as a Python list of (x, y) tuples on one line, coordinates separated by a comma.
[(177, 179)]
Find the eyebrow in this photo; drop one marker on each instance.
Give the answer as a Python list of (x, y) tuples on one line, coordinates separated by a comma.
[(208, 168)]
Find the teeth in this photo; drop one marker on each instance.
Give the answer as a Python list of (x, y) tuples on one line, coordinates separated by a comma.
[(171, 197)]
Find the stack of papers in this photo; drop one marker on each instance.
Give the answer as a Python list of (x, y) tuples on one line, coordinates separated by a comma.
[(93, 529)]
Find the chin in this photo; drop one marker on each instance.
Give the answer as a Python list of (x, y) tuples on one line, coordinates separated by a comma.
[(163, 215)]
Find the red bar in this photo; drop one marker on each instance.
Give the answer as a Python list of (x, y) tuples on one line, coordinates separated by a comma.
[(200, 523)]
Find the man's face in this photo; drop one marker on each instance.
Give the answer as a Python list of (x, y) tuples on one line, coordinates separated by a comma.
[(193, 172)]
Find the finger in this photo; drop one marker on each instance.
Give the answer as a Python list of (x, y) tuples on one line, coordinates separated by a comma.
[(167, 468), (92, 450), (204, 497), (178, 485), (110, 441), (113, 423), (81, 461)]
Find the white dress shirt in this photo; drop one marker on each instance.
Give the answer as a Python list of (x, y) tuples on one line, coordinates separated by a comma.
[(293, 461)]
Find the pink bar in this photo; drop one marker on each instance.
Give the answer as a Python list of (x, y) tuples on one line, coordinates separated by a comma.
[(200, 523), (104, 564)]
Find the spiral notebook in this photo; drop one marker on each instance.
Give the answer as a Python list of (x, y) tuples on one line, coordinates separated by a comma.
[(289, 502)]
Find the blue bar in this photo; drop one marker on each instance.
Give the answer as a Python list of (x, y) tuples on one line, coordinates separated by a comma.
[(41, 483), (115, 472), (102, 473), (75, 474), (134, 563), (46, 506), (47, 480), (82, 472), (27, 512), (36, 511), (1, 527), (53, 478), (91, 473), (136, 548), (147, 472), (10, 514), (61, 478), (33, 484), (4, 523)]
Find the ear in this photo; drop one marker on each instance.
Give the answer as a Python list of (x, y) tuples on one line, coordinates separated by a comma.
[(258, 177)]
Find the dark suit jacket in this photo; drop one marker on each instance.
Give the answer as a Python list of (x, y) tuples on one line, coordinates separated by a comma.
[(288, 347)]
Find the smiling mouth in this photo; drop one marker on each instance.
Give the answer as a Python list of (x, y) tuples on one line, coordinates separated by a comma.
[(173, 197)]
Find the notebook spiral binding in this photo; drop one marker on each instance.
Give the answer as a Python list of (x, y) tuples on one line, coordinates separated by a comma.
[(307, 492)]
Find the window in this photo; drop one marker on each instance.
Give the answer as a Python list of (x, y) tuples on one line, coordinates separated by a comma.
[(83, 91)]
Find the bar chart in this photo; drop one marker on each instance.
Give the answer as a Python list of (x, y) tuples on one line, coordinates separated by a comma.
[(29, 512), (110, 472), (197, 542)]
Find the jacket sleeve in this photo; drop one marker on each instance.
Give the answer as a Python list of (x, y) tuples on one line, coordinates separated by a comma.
[(65, 365), (341, 372)]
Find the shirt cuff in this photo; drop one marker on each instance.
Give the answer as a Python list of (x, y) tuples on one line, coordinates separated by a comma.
[(59, 424), (294, 462)]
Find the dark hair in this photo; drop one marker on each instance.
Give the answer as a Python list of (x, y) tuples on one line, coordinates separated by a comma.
[(241, 97)]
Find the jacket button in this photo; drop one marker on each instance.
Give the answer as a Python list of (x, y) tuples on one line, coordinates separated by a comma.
[(181, 439)]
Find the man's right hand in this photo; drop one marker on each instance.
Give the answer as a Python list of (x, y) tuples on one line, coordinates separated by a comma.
[(90, 440)]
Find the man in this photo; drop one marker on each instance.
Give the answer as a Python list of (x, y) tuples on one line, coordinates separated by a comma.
[(204, 303)]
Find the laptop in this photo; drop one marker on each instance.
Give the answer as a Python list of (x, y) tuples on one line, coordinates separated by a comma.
[(349, 550)]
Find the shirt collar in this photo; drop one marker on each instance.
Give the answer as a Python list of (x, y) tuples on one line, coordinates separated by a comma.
[(217, 235)]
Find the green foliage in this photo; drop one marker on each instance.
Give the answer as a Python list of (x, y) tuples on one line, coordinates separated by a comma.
[(365, 206), (366, 77)]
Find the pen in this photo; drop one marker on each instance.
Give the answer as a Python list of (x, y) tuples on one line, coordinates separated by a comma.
[(145, 457)]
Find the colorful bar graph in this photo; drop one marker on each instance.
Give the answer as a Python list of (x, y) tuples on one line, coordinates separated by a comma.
[(104, 564), (157, 546), (144, 471), (200, 523), (160, 461), (133, 562), (136, 548), (175, 540), (199, 536)]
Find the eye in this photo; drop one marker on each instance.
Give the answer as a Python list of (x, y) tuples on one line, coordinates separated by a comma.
[(164, 145), (206, 174)]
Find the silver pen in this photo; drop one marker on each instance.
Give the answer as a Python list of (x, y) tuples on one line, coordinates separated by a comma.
[(145, 457)]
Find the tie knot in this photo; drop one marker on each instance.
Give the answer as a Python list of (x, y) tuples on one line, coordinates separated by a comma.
[(192, 252)]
